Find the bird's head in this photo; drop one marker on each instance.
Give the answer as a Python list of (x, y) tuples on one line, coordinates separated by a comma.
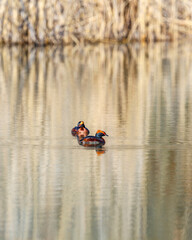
[(100, 133), (81, 124)]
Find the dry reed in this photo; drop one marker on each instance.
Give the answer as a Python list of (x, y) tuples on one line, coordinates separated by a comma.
[(69, 21)]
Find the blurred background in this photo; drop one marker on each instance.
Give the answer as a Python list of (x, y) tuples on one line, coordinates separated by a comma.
[(43, 22)]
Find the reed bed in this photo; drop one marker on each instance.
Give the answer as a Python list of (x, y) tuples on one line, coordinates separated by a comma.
[(69, 21)]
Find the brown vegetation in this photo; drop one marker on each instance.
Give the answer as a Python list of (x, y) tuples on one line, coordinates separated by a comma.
[(70, 21)]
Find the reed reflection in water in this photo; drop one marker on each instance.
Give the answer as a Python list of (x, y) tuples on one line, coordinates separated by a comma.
[(139, 186)]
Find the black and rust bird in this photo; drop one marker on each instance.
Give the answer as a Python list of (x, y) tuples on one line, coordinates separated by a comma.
[(80, 129), (93, 141)]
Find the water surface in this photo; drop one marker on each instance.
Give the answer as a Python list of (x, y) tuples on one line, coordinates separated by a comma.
[(139, 186)]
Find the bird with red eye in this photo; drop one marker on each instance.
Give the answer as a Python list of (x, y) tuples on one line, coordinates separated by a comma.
[(93, 141), (81, 124)]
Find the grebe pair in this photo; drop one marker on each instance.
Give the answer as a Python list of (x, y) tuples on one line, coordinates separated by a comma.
[(88, 141)]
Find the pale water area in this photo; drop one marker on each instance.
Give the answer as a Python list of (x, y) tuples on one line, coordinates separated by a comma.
[(139, 185)]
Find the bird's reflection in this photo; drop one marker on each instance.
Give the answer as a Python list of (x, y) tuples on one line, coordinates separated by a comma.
[(100, 151)]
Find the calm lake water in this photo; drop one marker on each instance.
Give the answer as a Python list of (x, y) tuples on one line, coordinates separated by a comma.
[(139, 186)]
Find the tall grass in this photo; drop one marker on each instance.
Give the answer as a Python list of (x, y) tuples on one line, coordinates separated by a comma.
[(71, 21)]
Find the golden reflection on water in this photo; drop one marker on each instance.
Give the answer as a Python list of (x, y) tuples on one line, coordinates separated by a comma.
[(139, 186)]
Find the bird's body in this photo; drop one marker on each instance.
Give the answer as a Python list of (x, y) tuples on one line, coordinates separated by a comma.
[(93, 141), (84, 131), (74, 131)]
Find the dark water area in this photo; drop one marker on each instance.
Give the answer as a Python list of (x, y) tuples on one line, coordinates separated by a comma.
[(139, 185)]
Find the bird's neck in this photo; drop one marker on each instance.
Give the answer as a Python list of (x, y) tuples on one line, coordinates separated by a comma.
[(99, 135)]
